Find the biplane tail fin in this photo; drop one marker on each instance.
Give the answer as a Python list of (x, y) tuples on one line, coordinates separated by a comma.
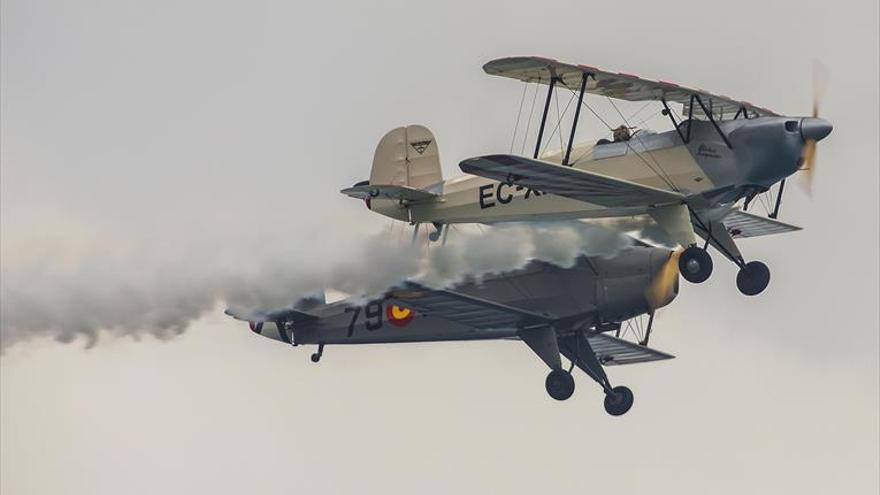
[(407, 156)]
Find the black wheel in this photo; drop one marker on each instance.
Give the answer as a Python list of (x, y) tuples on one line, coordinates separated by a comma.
[(316, 357), (695, 264), (753, 278), (559, 384), (434, 236), (618, 401)]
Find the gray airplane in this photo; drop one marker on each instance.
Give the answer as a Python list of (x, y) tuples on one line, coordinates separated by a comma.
[(695, 180), (574, 312)]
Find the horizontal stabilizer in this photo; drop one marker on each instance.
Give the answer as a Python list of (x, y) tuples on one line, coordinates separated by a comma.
[(741, 224), (613, 351), (397, 193), (568, 182), (292, 315)]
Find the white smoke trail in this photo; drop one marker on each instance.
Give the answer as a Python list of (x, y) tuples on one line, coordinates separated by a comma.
[(63, 297)]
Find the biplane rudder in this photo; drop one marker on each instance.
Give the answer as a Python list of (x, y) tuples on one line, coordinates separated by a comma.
[(407, 156)]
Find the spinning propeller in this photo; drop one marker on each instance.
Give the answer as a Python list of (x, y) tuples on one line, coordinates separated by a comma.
[(813, 129), (664, 285)]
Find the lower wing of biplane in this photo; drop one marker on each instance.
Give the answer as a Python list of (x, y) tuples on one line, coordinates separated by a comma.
[(569, 182)]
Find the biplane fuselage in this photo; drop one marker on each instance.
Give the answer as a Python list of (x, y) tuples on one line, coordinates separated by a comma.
[(705, 171)]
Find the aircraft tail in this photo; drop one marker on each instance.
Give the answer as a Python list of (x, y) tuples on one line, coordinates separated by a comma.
[(407, 156)]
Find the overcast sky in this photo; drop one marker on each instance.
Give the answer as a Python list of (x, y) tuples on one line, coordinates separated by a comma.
[(149, 146)]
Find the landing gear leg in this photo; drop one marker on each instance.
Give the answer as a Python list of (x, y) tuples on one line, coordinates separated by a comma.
[(317, 356), (543, 342), (753, 277), (618, 400)]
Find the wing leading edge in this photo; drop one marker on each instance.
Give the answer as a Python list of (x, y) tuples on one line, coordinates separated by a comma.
[(568, 182)]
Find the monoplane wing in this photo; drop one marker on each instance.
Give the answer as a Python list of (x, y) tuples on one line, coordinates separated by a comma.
[(397, 193), (569, 182), (463, 308), (742, 224), (619, 85), (613, 351)]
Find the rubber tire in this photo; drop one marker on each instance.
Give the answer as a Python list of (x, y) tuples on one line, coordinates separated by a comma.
[(559, 384), (315, 357), (619, 401), (704, 263), (753, 278)]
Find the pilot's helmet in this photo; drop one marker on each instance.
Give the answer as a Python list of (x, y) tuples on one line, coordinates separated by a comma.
[(621, 133)]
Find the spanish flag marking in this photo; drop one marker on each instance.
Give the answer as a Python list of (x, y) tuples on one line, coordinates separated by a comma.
[(398, 316)]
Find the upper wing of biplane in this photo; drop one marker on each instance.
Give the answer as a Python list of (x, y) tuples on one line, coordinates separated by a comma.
[(568, 181), (619, 85), (464, 309)]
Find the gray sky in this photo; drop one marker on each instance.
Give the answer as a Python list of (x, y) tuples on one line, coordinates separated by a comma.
[(148, 146)]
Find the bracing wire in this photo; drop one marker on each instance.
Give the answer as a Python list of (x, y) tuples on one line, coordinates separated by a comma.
[(640, 109), (644, 121), (662, 173), (529, 122), (559, 117), (522, 100)]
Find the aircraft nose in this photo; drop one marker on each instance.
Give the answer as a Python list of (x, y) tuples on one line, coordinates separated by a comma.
[(815, 128)]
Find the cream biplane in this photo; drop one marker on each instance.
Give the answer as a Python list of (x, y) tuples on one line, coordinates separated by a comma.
[(696, 180)]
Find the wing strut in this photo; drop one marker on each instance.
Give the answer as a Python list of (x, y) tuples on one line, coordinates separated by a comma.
[(544, 117), (711, 119), (577, 114), (778, 200), (668, 112), (686, 138)]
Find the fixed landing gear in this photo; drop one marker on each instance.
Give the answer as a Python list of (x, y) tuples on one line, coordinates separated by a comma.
[(618, 400), (577, 348), (753, 278), (317, 356), (695, 264), (559, 384)]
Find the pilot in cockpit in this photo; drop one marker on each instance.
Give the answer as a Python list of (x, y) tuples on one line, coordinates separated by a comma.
[(622, 134)]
